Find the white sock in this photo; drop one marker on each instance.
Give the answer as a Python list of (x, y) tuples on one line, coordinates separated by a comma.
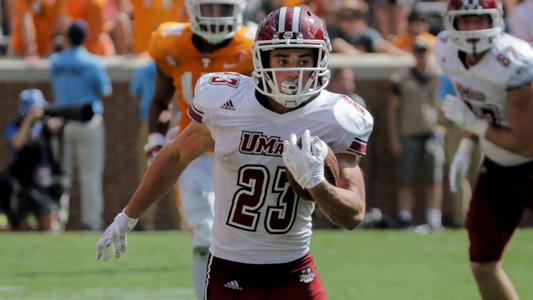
[(434, 218), (405, 215), (199, 264)]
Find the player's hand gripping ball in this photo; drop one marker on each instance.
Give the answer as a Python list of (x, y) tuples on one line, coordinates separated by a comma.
[(309, 161)]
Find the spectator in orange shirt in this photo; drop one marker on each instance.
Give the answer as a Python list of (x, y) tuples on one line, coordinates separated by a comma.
[(418, 28), (34, 24), (92, 12), (117, 24), (148, 15)]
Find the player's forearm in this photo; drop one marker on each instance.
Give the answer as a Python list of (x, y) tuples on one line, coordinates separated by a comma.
[(343, 207), (506, 139), (155, 124), (164, 91), (159, 179)]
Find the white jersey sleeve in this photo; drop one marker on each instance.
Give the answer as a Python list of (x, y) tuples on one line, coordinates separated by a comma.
[(517, 56), (356, 123)]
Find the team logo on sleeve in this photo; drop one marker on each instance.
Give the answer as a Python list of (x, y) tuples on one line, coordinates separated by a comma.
[(231, 79), (357, 146), (354, 104)]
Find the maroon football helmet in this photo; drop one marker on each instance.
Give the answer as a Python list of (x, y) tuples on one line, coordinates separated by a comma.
[(291, 27), (474, 41)]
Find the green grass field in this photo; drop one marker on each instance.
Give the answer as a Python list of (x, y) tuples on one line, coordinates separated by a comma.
[(363, 264)]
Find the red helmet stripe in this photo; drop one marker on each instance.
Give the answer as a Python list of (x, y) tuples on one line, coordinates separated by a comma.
[(281, 21)]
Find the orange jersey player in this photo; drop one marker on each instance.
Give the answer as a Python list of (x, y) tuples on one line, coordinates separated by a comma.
[(213, 41), (175, 48)]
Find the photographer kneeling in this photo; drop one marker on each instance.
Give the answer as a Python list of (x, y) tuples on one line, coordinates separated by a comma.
[(32, 183)]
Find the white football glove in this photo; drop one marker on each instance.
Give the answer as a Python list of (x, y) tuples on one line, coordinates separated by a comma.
[(115, 233), (458, 112), (306, 164), (156, 141), (460, 163)]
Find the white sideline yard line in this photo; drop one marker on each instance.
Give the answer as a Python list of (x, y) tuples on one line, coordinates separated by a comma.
[(20, 293), (10, 288)]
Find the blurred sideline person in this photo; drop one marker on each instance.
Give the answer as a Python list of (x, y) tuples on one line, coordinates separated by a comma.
[(35, 25), (415, 137), (148, 15), (117, 25), (521, 22), (92, 12), (79, 77), (492, 73), (343, 82), (214, 40), (262, 228), (417, 29), (32, 184), (354, 36)]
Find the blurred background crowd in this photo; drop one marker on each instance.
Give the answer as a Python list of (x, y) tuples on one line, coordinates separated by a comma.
[(417, 137)]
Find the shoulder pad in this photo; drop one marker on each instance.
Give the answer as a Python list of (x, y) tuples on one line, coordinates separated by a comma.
[(165, 38), (515, 57), (356, 121)]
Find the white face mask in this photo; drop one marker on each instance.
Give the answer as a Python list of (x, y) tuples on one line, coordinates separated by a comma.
[(291, 92), (215, 27)]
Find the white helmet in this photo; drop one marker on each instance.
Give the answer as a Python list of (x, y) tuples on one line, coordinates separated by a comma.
[(215, 27), (291, 27), (474, 41)]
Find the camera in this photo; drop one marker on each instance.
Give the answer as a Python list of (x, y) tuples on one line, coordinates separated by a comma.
[(81, 112)]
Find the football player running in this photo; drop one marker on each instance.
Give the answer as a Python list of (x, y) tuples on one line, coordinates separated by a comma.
[(492, 73), (262, 229), (213, 40)]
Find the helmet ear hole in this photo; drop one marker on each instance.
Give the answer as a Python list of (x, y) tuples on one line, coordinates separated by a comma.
[(316, 58), (265, 58)]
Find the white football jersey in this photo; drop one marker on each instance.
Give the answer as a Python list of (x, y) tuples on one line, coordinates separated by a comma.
[(258, 219), (484, 86)]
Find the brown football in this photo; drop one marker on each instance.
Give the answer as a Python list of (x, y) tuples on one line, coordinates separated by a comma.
[(331, 172)]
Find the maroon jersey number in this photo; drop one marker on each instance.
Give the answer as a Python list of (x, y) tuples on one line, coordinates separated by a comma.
[(231, 79), (250, 198)]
